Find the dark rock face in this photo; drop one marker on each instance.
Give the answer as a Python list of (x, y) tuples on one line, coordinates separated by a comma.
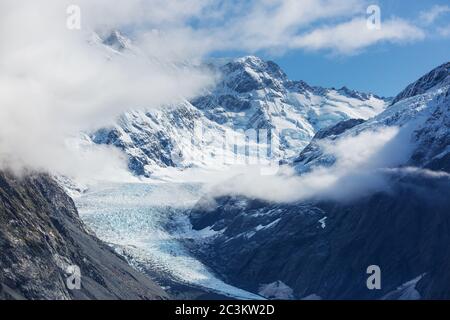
[(354, 94), (324, 248), (338, 129), (116, 40), (146, 139), (433, 139), (41, 235), (425, 83)]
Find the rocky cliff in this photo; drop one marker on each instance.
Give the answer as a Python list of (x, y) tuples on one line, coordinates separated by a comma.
[(43, 241)]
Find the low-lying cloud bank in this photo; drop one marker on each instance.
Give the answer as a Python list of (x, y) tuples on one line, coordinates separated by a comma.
[(360, 168)]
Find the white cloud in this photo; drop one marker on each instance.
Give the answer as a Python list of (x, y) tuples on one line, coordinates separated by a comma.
[(431, 15), (273, 24), (360, 169), (444, 31), (353, 36), (426, 173), (281, 25)]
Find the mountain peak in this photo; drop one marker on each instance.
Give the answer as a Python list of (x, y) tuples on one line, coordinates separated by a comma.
[(354, 94), (259, 65), (250, 60), (252, 73), (117, 40)]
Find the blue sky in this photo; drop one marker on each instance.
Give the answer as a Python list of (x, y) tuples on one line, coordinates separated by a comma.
[(384, 69)]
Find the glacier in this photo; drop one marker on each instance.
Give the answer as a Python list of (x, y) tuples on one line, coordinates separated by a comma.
[(135, 218)]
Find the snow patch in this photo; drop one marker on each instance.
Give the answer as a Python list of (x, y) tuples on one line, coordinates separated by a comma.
[(323, 222), (406, 291), (276, 290)]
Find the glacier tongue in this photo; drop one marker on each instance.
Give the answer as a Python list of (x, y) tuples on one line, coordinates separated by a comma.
[(134, 218)]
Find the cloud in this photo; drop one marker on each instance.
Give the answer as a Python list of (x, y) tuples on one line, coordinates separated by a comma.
[(444, 31), (425, 173), (274, 24), (267, 25), (281, 25), (54, 83), (431, 15), (359, 169), (353, 36)]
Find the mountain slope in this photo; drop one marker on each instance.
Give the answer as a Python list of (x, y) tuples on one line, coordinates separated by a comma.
[(322, 248), (426, 115), (41, 235)]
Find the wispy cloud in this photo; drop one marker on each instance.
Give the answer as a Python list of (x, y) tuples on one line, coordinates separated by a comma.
[(359, 169), (353, 36), (430, 16), (274, 24), (444, 31), (282, 25)]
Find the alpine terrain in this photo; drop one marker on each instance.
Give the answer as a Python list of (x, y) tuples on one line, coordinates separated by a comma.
[(321, 248), (366, 185)]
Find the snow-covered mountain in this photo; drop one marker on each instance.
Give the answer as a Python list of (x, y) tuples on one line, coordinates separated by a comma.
[(424, 106), (250, 94), (322, 248), (255, 94)]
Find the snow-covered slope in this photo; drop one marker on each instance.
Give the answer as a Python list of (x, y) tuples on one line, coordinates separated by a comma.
[(255, 94), (250, 94)]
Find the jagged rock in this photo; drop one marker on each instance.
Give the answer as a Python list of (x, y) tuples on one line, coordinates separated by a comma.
[(428, 81)]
